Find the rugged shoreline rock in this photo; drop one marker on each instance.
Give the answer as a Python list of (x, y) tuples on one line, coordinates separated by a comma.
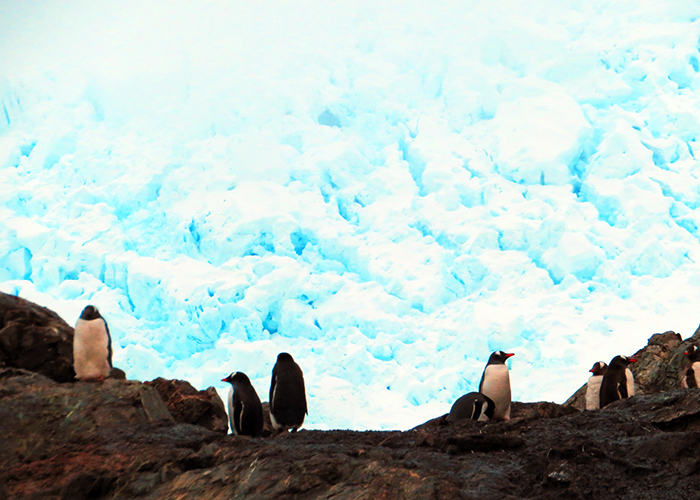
[(35, 338), (659, 366), (122, 439), (96, 440)]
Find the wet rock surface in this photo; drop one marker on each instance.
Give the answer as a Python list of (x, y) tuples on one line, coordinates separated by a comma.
[(96, 440)]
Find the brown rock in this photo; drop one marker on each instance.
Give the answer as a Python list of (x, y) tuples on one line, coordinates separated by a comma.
[(35, 338), (659, 366), (190, 406)]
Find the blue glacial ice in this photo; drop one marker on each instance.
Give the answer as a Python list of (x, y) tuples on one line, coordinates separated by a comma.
[(388, 191)]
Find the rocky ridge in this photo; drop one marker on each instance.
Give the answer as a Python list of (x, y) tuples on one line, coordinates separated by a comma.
[(122, 439)]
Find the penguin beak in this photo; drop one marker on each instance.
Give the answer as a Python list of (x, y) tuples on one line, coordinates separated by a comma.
[(508, 354), (686, 353), (632, 360), (591, 370), (225, 379)]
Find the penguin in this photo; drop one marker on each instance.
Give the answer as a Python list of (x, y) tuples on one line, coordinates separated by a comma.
[(593, 385), (287, 394), (245, 413), (618, 381), (474, 406), (92, 346), (495, 384), (691, 377)]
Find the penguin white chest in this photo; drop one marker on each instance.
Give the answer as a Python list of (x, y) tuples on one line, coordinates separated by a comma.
[(496, 385), (90, 350), (230, 412), (629, 378), (593, 392)]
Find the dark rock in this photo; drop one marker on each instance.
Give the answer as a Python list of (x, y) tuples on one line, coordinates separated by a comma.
[(35, 338), (117, 373), (107, 440), (95, 440), (188, 405)]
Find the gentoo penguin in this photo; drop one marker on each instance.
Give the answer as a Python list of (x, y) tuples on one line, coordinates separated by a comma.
[(473, 406), (691, 377), (287, 394), (92, 346), (593, 385), (245, 413), (495, 384), (618, 382)]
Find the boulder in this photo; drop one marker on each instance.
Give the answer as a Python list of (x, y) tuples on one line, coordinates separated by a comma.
[(190, 406), (35, 338)]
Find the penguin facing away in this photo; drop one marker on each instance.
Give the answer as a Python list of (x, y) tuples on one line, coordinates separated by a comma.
[(691, 377), (618, 381), (474, 406), (593, 385), (92, 346), (287, 394), (245, 413), (495, 384)]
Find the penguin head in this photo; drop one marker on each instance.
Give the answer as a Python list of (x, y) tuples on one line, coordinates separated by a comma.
[(499, 358), (599, 368), (622, 361), (237, 378), (284, 357), (89, 313), (693, 353)]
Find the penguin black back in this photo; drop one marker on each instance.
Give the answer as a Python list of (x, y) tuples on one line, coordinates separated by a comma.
[(691, 374), (244, 408), (474, 406), (616, 382), (599, 368), (287, 394)]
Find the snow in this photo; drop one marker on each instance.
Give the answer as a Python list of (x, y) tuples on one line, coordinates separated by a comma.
[(388, 191)]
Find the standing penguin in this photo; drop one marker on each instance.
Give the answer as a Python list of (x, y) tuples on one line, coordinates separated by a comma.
[(245, 413), (92, 346), (691, 377), (495, 384), (593, 385), (618, 381), (474, 406), (287, 394)]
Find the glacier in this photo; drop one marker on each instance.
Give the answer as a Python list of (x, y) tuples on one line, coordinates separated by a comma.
[(388, 191)]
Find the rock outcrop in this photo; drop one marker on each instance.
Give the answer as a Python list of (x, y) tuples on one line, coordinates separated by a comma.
[(97, 440), (659, 366), (35, 338), (121, 439), (190, 406)]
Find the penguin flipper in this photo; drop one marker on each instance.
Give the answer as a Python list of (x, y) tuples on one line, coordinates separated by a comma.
[(690, 379), (238, 414), (622, 389), (109, 344), (273, 384)]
